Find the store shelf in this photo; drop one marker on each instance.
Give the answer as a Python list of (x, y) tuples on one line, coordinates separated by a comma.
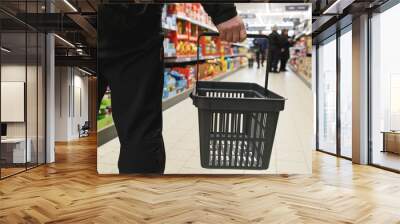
[(167, 27), (175, 60), (109, 132), (183, 17), (182, 36), (169, 102), (171, 55), (302, 77), (240, 45)]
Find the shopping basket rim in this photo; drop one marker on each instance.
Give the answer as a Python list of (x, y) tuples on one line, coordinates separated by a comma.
[(279, 98), (276, 97)]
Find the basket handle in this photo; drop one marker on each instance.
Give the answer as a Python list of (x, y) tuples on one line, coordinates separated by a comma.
[(214, 34)]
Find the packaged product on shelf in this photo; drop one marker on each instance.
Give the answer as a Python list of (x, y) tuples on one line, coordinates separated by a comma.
[(195, 11), (182, 31), (203, 70), (229, 64), (188, 73), (165, 92), (194, 32), (213, 67), (224, 64), (171, 22), (188, 9), (169, 48), (164, 15), (169, 84), (168, 20), (176, 8), (226, 48), (210, 46), (180, 81)]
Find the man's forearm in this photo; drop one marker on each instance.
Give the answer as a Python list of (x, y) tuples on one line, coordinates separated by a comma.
[(230, 26), (220, 13)]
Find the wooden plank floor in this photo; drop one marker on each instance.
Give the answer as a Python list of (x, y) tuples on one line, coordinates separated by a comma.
[(70, 191)]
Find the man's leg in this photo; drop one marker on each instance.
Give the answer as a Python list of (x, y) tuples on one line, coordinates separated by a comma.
[(273, 61), (258, 59), (130, 43), (262, 58), (277, 56), (284, 60)]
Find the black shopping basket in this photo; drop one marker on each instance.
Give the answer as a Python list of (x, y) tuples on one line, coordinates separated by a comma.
[(237, 121)]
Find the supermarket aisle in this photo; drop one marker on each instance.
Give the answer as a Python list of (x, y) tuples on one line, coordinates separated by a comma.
[(293, 143)]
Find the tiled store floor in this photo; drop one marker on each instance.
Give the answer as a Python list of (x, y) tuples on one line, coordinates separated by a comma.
[(293, 142)]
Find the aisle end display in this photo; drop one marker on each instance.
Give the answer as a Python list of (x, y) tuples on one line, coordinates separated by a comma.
[(300, 58)]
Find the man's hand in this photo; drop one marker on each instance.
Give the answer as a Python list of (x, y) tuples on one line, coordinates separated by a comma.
[(232, 30)]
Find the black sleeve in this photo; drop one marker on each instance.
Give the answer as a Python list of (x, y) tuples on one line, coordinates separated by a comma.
[(220, 13)]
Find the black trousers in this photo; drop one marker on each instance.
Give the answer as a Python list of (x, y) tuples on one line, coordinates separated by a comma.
[(260, 57), (284, 60), (275, 58), (130, 62)]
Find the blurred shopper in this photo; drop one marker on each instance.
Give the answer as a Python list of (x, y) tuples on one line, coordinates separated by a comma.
[(276, 48), (286, 43), (130, 61), (251, 56), (261, 45)]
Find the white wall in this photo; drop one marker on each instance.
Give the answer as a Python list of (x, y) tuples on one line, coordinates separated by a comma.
[(79, 111), (33, 126), (12, 101), (61, 103), (17, 73), (71, 93), (14, 73)]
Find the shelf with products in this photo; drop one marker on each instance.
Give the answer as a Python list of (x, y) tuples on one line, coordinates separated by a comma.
[(178, 79), (192, 13), (185, 93), (176, 60), (190, 20), (186, 51), (300, 60), (168, 27)]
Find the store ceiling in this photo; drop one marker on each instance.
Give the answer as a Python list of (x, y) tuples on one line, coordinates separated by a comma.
[(287, 15), (326, 14)]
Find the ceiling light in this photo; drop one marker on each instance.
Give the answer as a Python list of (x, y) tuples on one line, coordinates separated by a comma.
[(5, 50), (338, 6), (65, 41), (70, 5), (84, 71)]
